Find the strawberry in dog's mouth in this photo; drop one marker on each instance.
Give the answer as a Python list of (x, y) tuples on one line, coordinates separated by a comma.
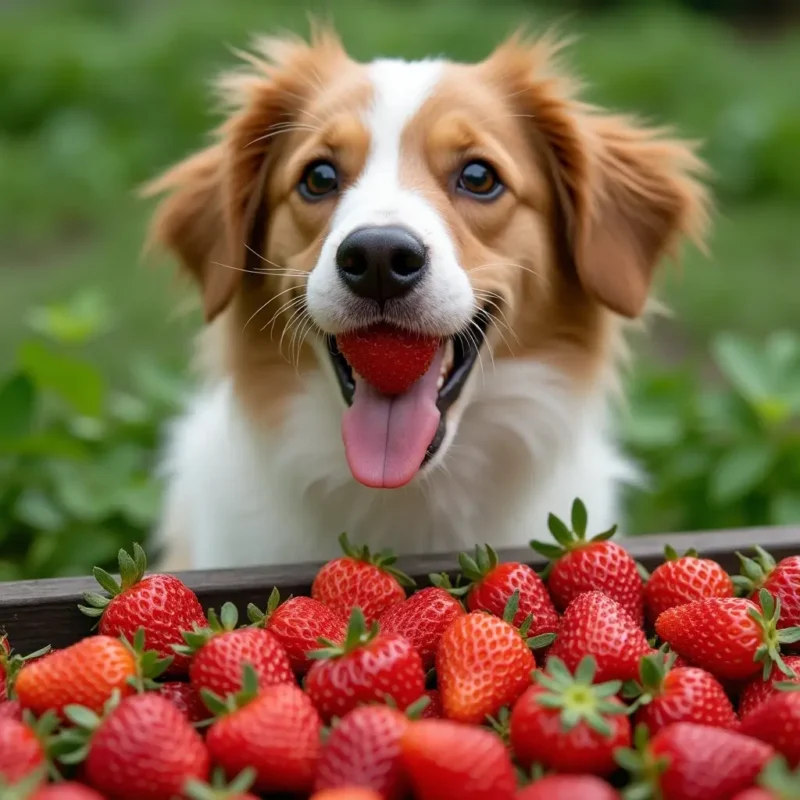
[(397, 415)]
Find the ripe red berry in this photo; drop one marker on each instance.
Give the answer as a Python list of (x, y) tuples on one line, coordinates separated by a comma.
[(388, 358), (66, 790), (160, 604), (186, 699), (781, 580), (22, 752), (568, 787), (777, 722), (759, 688), (580, 565)]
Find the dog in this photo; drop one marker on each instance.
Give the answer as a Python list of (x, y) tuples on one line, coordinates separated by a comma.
[(486, 205)]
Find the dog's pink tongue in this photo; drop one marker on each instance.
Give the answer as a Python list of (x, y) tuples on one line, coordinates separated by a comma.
[(385, 438)]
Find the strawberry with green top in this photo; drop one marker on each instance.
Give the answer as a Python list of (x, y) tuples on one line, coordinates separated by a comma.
[(160, 604), (10, 665), (219, 651), (274, 730), (580, 565), (219, 789), (492, 584), (760, 688), (684, 579), (781, 579), (777, 722), (776, 782), (360, 579), (730, 637), (24, 748), (667, 694), (568, 723), (368, 667), (298, 624), (484, 663)]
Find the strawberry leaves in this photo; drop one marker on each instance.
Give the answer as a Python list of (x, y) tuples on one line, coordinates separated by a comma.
[(131, 571), (568, 540), (768, 652), (358, 635), (384, 560)]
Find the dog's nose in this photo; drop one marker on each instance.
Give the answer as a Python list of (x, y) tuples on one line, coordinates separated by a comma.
[(381, 262)]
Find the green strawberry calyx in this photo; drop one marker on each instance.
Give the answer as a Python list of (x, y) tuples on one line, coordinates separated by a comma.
[(259, 618), (131, 572), (221, 706), (219, 789), (576, 697), (149, 664), (779, 780), (653, 669), (72, 744), (384, 560), (358, 635), (194, 639), (510, 612), (754, 571), (569, 539), (643, 766), (11, 663), (441, 580), (671, 554), (767, 617)]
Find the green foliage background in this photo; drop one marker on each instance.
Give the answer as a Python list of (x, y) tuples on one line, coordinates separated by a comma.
[(97, 96)]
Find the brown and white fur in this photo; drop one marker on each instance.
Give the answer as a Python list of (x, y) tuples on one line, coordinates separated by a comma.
[(566, 254)]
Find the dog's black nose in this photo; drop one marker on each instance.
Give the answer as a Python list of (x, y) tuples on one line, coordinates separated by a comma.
[(381, 262)]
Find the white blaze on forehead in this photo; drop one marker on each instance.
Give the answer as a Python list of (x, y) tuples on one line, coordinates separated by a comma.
[(443, 304)]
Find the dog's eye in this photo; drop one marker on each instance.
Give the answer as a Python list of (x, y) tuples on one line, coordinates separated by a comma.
[(319, 180), (480, 180)]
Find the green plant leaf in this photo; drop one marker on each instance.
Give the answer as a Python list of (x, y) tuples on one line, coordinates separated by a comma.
[(17, 406), (740, 470), (75, 381), (743, 365)]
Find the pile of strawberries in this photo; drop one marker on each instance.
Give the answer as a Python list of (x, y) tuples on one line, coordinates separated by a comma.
[(590, 681)]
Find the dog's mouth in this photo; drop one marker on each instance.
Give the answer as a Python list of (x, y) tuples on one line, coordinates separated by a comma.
[(389, 439)]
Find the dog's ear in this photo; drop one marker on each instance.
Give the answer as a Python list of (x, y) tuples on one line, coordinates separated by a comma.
[(628, 194)]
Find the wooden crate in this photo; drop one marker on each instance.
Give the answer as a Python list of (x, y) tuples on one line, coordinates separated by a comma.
[(37, 613)]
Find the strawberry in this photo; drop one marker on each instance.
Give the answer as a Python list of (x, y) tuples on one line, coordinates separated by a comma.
[(777, 722), (483, 663), (684, 579), (160, 604), (348, 793), (594, 624), (221, 650), (422, 619), (186, 699), (10, 709), (781, 580), (298, 624), (433, 710), (731, 637), (363, 749), (579, 565), (568, 787), (775, 782), (23, 749), (670, 694), (10, 665), (66, 790), (142, 748), (220, 790), (759, 688), (87, 674), (369, 666), (564, 722), (687, 761), (273, 729), (388, 358), (361, 579), (449, 761), (493, 583)]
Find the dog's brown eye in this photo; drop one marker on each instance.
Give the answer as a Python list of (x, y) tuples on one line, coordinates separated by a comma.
[(319, 180), (480, 180)]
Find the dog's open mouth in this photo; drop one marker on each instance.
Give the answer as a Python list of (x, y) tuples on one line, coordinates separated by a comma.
[(388, 439)]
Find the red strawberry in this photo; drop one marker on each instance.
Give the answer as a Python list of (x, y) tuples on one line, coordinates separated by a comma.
[(273, 729), (23, 750), (483, 663), (434, 708), (10, 709), (87, 674), (142, 749), (298, 624), (422, 619), (160, 604), (759, 689), (777, 722), (449, 761), (388, 358), (681, 580), (493, 584), (568, 787), (348, 793), (220, 790), (680, 694), (368, 667), (360, 579), (775, 782), (731, 637), (594, 624), (66, 790), (10, 665), (566, 723), (186, 699), (580, 566), (221, 650), (363, 750), (687, 761), (781, 580)]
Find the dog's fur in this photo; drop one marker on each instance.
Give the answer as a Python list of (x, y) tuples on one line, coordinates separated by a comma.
[(257, 469)]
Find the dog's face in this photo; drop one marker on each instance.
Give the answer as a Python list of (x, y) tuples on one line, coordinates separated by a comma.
[(478, 204)]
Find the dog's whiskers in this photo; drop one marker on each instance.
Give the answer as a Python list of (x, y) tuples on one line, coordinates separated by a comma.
[(280, 127)]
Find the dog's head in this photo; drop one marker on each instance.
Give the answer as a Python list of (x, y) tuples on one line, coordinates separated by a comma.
[(483, 205)]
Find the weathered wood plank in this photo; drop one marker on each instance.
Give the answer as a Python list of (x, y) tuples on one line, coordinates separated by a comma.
[(36, 613)]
